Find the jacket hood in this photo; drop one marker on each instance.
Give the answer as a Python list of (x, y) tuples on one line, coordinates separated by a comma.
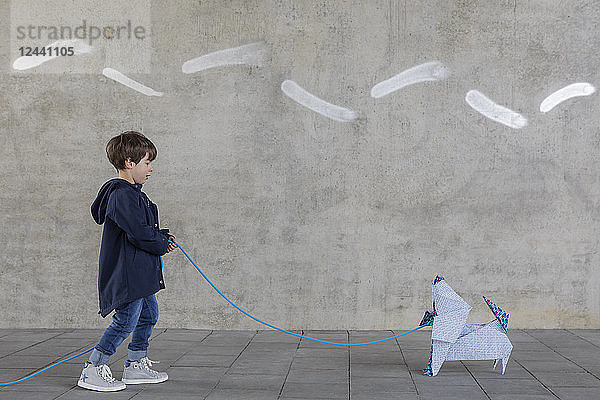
[(99, 205)]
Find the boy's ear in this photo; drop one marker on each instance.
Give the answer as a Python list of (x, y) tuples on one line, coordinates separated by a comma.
[(128, 163)]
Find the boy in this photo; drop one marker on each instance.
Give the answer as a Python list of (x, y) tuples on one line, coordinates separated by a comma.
[(130, 266)]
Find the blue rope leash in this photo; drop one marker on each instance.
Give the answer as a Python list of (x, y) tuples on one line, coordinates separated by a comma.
[(239, 309), (47, 368), (286, 331)]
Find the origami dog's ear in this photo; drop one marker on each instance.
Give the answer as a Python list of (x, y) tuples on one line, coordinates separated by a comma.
[(427, 318)]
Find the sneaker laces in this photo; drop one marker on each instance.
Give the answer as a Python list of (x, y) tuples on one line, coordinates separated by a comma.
[(105, 373), (146, 363)]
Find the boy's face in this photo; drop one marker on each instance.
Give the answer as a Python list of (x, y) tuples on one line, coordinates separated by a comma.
[(140, 171)]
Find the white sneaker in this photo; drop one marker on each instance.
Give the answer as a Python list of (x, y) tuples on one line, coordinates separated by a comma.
[(99, 378), (140, 372)]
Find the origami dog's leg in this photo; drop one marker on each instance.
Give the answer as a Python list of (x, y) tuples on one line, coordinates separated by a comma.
[(427, 370), (495, 363), (440, 350), (504, 362)]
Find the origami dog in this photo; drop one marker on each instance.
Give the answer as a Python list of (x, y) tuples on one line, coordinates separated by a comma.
[(452, 339)]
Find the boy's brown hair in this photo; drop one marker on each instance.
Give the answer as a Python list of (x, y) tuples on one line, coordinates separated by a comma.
[(130, 144)]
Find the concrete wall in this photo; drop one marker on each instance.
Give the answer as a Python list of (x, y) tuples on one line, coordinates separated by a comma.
[(308, 222)]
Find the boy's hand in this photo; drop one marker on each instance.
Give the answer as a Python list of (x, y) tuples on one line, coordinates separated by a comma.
[(172, 246)]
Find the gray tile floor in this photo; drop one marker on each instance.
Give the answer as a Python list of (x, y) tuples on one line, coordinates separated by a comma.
[(545, 364)]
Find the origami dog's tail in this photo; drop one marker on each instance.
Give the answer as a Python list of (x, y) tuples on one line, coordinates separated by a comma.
[(500, 314)]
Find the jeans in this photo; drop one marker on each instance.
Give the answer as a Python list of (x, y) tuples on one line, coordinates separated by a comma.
[(138, 317)]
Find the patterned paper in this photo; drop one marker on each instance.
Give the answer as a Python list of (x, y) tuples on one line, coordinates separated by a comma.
[(453, 339)]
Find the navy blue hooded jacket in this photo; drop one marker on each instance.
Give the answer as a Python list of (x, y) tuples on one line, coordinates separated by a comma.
[(132, 243)]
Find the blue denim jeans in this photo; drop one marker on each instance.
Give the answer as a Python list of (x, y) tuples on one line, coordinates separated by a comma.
[(138, 317)]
